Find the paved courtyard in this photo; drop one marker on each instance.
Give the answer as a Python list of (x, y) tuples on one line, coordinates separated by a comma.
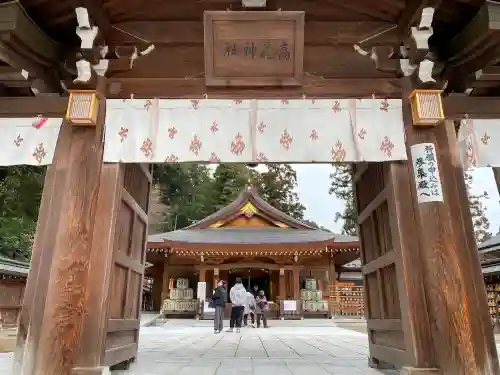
[(287, 348)]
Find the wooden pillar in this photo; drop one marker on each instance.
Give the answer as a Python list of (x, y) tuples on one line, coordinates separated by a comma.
[(63, 323), (296, 284), (157, 289), (165, 291), (496, 174), (216, 277), (202, 277), (461, 330), (332, 285), (282, 286)]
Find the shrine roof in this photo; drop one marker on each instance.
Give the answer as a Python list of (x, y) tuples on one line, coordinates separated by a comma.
[(286, 229), (12, 267), (248, 195), (250, 235)]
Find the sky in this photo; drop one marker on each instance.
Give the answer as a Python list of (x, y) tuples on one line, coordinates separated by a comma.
[(313, 184)]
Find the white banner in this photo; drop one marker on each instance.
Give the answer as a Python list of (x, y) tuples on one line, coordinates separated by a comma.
[(241, 131), (478, 142)]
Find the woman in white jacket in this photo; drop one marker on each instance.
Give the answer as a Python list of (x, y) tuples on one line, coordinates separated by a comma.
[(249, 310)]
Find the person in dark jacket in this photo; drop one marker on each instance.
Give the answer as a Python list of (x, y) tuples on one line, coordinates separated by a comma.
[(219, 302)]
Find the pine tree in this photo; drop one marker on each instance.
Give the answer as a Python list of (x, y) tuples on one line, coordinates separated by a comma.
[(341, 186), (478, 211)]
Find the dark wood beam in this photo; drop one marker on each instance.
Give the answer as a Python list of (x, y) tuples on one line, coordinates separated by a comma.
[(313, 87), (460, 106), (49, 106), (191, 33), (188, 61), (475, 40)]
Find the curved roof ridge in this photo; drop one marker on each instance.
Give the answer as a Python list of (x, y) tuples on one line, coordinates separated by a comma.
[(248, 194)]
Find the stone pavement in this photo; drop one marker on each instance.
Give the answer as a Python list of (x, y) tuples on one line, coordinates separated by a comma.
[(287, 348)]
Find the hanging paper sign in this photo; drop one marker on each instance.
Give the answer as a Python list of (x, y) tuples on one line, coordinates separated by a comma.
[(425, 168)]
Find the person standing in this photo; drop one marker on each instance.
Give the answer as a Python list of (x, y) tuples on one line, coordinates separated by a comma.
[(261, 308), (238, 295), (255, 290), (249, 310), (219, 303)]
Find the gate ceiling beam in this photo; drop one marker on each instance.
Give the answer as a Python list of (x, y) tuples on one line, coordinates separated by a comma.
[(475, 107), (46, 105)]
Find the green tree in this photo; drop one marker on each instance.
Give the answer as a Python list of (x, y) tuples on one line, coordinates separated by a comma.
[(20, 194), (341, 186), (277, 186), (191, 192), (184, 189), (477, 207), (228, 181)]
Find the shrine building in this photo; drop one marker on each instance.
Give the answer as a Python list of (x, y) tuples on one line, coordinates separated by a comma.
[(252, 240)]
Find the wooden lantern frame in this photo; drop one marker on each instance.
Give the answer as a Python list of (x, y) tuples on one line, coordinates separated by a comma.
[(90, 120), (416, 108)]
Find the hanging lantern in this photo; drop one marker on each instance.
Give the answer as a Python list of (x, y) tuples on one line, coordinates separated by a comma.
[(83, 107), (426, 107)]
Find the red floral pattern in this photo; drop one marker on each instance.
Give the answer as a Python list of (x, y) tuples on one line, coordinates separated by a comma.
[(314, 135), (336, 106), (485, 139), (386, 146), (261, 127), (261, 158), (286, 140), (195, 145), (338, 152), (194, 103), (147, 147), (214, 127), (214, 158), (384, 105), (172, 158), (362, 133), (238, 145), (18, 140), (172, 132), (123, 133), (39, 154), (285, 101)]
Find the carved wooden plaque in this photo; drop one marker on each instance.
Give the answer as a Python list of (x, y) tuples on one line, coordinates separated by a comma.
[(254, 48)]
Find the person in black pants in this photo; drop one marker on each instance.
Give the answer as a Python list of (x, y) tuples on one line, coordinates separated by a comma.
[(238, 295), (219, 302)]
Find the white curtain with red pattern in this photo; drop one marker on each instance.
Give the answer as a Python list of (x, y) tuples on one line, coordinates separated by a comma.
[(478, 143), (213, 131)]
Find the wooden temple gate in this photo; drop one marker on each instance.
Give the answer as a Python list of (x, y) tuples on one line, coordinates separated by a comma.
[(426, 302)]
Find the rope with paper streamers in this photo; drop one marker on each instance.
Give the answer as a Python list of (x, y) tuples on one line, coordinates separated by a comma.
[(136, 54)]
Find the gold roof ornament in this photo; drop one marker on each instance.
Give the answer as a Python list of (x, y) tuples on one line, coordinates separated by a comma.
[(248, 210)]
